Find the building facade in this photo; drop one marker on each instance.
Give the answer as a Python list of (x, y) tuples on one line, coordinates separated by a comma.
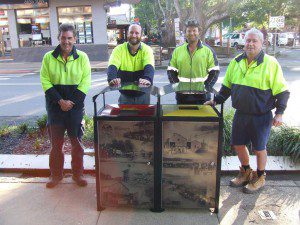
[(29, 28)]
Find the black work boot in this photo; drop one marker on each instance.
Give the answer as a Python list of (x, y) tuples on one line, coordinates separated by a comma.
[(79, 180), (53, 181)]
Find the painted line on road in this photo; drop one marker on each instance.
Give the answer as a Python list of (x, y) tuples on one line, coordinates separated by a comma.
[(99, 84), (13, 75), (20, 98), (35, 111), (100, 79), (20, 84), (295, 69)]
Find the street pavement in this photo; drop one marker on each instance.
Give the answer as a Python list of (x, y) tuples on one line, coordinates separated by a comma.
[(26, 200)]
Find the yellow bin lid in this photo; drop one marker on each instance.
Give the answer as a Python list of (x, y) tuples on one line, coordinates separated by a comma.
[(189, 111)]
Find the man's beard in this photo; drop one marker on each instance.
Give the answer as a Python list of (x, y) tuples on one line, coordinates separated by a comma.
[(134, 41), (193, 39)]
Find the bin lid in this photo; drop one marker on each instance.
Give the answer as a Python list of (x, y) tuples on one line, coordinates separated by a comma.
[(189, 111), (195, 88), (116, 110)]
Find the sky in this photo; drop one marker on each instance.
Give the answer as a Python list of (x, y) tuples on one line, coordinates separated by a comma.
[(123, 9)]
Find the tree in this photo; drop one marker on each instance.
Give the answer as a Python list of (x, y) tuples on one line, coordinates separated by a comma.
[(145, 12), (258, 12), (157, 17), (206, 12)]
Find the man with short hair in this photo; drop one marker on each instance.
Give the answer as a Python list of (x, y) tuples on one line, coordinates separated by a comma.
[(132, 61), (66, 78), (193, 62), (255, 82)]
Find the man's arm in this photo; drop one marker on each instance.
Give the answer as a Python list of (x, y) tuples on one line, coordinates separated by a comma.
[(172, 70), (148, 64), (213, 70), (211, 79), (47, 86), (223, 95), (85, 83), (225, 91), (280, 93), (279, 88), (147, 79), (113, 66), (111, 72)]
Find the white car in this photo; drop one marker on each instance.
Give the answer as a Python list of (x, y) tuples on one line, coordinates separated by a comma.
[(282, 39), (286, 39), (236, 40)]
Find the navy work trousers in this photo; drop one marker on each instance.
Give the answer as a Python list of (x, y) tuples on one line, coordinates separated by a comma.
[(57, 125)]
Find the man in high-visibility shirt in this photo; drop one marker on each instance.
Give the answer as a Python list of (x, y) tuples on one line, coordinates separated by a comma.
[(66, 78), (255, 82), (132, 62), (193, 62)]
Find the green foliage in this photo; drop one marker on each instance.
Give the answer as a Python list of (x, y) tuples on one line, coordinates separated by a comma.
[(42, 122), (228, 117), (88, 129), (7, 130), (258, 12), (37, 144), (145, 11), (285, 141), (23, 128), (32, 132)]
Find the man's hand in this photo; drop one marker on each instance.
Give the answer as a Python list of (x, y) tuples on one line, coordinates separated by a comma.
[(144, 82), (66, 105), (277, 120), (115, 82), (210, 102)]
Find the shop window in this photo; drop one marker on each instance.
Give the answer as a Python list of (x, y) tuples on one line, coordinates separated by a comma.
[(5, 45), (81, 17), (33, 27)]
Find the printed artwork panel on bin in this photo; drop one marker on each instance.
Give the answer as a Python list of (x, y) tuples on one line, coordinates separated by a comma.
[(126, 163), (127, 184), (190, 151), (131, 141)]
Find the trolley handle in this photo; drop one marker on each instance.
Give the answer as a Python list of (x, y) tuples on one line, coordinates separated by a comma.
[(144, 88), (102, 92), (213, 91)]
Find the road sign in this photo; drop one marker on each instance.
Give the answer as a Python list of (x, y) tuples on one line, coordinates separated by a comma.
[(276, 22)]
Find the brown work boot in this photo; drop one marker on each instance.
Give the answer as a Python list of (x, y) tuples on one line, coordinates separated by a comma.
[(79, 181), (53, 181), (243, 178), (256, 184)]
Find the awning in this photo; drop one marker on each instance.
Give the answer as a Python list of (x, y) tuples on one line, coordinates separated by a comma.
[(23, 4)]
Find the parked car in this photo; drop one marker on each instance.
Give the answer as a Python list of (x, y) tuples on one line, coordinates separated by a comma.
[(282, 39), (236, 40), (224, 39), (286, 39)]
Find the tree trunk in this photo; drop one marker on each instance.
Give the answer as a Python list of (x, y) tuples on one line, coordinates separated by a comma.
[(168, 30), (168, 34), (206, 15)]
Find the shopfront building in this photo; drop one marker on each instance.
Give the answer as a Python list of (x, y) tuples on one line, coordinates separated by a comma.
[(5, 46), (30, 27)]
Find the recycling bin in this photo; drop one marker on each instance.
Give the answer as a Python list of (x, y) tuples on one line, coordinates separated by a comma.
[(191, 153), (124, 145)]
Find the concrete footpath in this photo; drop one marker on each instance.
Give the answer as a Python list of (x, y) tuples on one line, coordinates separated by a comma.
[(26, 201)]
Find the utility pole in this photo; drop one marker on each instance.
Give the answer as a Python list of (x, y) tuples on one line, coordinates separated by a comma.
[(130, 8)]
